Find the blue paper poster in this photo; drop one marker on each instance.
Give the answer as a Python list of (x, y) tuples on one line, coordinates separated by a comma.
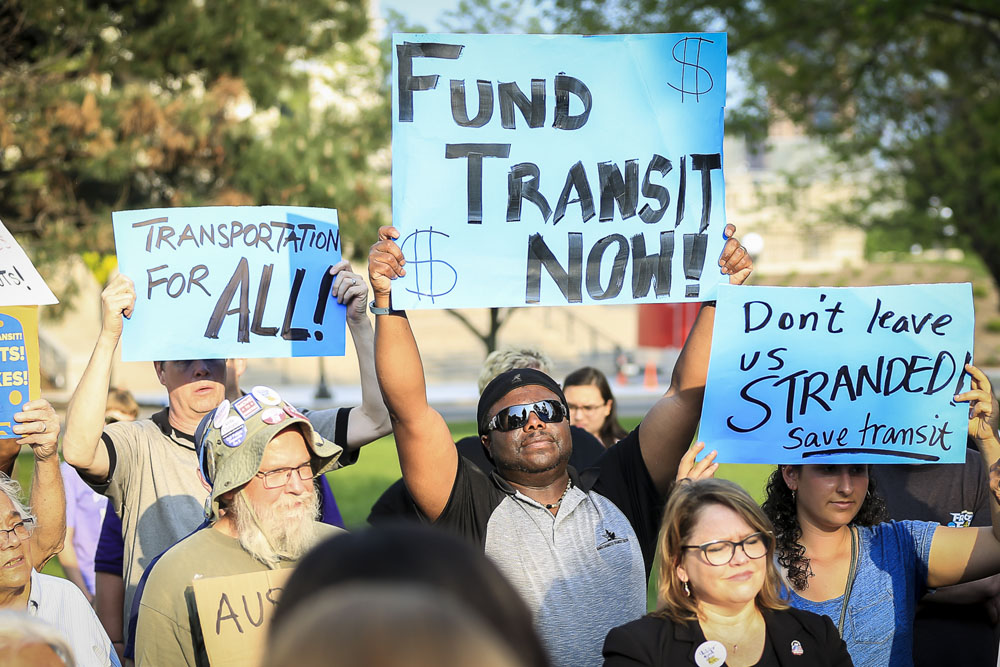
[(224, 281), (557, 169), (839, 375)]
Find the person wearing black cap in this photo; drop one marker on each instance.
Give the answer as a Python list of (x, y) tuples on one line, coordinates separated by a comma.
[(577, 546)]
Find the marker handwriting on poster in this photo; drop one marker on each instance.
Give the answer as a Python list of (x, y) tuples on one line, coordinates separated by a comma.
[(254, 281), (629, 146), (839, 374)]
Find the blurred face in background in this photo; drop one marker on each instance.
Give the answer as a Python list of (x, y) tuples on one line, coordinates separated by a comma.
[(587, 408)]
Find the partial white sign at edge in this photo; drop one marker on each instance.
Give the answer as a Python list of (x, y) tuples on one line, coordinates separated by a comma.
[(20, 282)]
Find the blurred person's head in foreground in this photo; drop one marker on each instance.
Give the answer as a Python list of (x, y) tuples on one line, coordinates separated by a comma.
[(433, 559), (26, 641), (386, 625)]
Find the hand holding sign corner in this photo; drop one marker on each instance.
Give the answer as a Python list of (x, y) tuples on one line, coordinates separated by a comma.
[(385, 264)]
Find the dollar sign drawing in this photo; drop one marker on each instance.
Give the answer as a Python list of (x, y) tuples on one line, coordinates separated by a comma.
[(682, 45), (423, 265)]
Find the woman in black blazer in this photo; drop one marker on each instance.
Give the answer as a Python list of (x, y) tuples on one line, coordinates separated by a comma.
[(719, 601)]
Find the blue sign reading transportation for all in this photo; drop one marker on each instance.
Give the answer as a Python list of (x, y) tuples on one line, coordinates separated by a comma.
[(223, 281)]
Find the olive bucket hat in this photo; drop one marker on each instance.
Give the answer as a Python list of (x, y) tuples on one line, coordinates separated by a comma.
[(230, 441)]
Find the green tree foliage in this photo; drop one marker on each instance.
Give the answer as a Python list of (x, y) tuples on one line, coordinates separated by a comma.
[(908, 89), (118, 104)]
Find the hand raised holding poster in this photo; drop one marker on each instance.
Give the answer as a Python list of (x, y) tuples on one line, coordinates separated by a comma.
[(839, 375), (601, 181), (232, 282)]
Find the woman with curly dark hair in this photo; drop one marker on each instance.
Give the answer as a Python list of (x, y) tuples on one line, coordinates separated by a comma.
[(845, 561)]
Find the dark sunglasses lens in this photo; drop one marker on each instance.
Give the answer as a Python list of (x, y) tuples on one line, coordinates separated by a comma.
[(516, 416)]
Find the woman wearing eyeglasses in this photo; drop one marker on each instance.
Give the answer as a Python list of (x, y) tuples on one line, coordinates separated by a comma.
[(592, 406), (844, 560), (718, 597)]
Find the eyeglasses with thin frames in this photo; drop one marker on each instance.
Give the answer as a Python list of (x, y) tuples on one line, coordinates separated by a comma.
[(275, 479), (585, 408), (721, 552), (22, 529)]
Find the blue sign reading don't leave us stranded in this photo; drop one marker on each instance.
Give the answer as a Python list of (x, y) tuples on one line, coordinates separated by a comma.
[(839, 375)]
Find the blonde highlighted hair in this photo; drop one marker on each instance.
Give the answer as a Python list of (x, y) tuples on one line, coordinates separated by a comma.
[(679, 519)]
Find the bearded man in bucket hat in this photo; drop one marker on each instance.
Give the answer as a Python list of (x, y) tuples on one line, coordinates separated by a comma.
[(262, 512)]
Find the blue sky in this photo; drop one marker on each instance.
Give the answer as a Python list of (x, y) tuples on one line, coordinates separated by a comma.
[(423, 12)]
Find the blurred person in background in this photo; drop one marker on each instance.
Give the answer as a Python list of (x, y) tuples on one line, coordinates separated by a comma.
[(592, 406), (85, 508), (953, 623)]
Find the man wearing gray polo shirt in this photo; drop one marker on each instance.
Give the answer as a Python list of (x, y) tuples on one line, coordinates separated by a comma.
[(577, 546)]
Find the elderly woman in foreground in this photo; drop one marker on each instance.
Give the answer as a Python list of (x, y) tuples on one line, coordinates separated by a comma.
[(719, 600)]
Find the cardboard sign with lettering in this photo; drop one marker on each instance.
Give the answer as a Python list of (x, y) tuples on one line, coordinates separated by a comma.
[(839, 375), (557, 169), (234, 613), (230, 281)]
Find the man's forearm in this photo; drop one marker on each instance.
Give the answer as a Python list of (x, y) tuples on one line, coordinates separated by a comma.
[(85, 414), (398, 367), (48, 501), (691, 369), (375, 422)]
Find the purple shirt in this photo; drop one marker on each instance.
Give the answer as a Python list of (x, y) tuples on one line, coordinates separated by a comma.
[(84, 514)]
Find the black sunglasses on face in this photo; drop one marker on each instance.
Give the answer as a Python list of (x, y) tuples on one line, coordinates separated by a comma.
[(514, 417)]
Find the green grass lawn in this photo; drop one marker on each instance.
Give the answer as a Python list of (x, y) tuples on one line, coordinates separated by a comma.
[(358, 486)]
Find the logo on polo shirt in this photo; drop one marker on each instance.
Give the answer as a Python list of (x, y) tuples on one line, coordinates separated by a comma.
[(610, 539), (961, 519)]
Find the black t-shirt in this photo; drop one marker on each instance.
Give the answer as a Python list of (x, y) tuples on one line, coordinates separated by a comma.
[(396, 503), (952, 495)]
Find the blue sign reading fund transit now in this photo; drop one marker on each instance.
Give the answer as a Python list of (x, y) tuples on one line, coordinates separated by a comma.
[(839, 375), (557, 169)]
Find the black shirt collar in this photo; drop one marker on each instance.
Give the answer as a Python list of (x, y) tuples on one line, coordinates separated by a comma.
[(162, 421)]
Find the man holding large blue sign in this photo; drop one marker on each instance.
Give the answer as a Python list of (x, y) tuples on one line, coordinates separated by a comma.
[(568, 542)]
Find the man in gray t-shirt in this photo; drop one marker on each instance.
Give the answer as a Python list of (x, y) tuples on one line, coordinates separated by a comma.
[(148, 468)]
